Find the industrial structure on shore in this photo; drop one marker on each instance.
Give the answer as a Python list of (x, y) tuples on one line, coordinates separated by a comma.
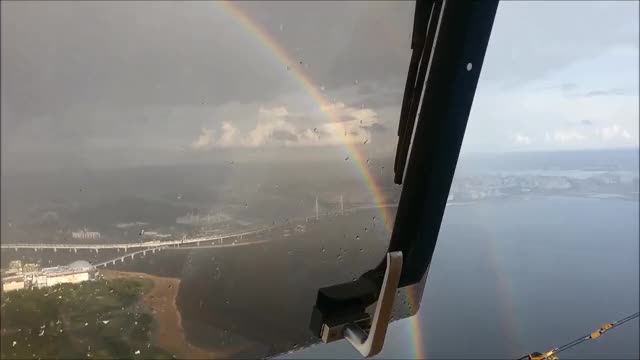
[(29, 276)]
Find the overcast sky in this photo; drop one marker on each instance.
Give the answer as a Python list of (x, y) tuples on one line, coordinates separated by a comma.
[(190, 78)]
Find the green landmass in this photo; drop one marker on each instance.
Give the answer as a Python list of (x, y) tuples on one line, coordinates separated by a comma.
[(93, 319)]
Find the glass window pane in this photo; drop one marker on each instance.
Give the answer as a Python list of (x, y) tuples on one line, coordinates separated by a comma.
[(209, 165), (539, 243)]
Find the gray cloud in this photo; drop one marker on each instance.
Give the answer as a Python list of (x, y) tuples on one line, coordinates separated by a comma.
[(281, 135), (375, 128), (586, 122), (144, 78), (129, 54), (573, 31), (604, 92)]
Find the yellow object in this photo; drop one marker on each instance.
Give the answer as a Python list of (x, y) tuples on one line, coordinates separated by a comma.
[(538, 356)]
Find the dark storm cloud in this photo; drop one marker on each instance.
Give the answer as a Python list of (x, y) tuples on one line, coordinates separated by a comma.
[(56, 54), (341, 43)]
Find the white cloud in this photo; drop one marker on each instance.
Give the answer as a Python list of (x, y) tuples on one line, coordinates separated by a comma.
[(563, 136), (277, 125), (522, 139), (228, 134), (614, 132), (204, 140), (339, 112), (279, 111)]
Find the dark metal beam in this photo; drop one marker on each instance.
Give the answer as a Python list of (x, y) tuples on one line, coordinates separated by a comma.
[(454, 69)]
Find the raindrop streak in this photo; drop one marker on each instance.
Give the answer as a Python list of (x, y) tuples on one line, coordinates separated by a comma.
[(365, 141)]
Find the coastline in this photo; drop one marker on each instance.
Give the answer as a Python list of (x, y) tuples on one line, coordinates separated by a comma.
[(169, 333)]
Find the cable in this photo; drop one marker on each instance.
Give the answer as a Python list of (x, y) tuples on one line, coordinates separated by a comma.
[(606, 327)]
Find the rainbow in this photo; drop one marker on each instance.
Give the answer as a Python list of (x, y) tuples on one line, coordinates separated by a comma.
[(296, 69), (267, 40), (416, 334)]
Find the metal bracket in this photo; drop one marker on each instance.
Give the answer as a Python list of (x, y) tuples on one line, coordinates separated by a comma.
[(352, 322), (371, 344)]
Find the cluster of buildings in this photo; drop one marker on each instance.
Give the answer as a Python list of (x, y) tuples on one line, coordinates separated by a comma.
[(27, 276), (85, 235), (197, 219)]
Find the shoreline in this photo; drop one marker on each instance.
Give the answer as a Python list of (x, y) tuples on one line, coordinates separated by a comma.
[(168, 333)]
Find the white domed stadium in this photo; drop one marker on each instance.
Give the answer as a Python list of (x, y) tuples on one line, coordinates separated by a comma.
[(80, 265)]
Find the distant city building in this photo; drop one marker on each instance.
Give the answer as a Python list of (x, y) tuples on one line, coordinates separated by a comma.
[(154, 234), (15, 265), (13, 282), (197, 219), (76, 272), (29, 267), (85, 235)]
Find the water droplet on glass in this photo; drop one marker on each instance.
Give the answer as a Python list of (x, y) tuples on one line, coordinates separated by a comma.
[(137, 352), (315, 130), (347, 158), (324, 250), (361, 249), (365, 141), (281, 27), (365, 229), (469, 66), (288, 67), (321, 88), (357, 237), (355, 82)]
